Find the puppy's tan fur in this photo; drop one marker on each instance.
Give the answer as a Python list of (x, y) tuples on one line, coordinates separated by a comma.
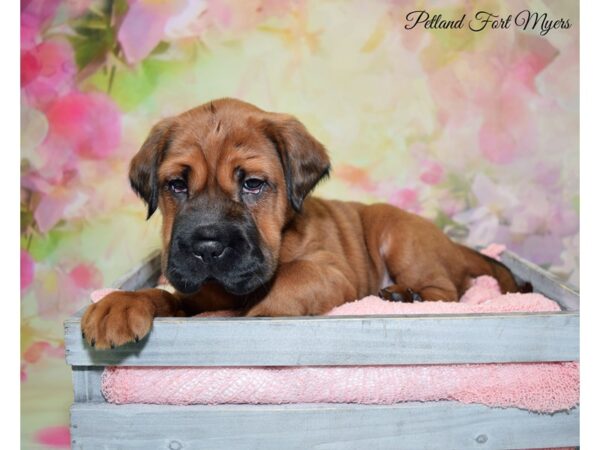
[(323, 252)]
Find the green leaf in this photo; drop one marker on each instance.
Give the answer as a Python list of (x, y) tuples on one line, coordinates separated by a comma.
[(95, 36), (132, 86), (27, 219), (43, 246), (120, 7), (160, 48), (92, 45)]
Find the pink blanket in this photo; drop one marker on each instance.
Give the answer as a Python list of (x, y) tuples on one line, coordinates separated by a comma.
[(542, 387)]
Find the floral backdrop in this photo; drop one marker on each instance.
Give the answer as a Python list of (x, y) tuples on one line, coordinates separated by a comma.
[(477, 131)]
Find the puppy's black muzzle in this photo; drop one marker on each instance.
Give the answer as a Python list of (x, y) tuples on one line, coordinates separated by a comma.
[(208, 251), (219, 243)]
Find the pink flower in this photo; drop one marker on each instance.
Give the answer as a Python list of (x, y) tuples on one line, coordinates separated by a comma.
[(35, 15), (51, 208), (189, 22), (508, 130), (449, 203), (47, 71), (406, 198), (144, 26), (39, 349), (60, 291), (59, 194), (88, 124), (27, 270), (85, 276), (30, 67), (56, 436), (80, 126), (432, 173), (222, 13), (533, 55), (35, 352)]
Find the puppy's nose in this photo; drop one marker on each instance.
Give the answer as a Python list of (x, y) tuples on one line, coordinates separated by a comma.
[(208, 251)]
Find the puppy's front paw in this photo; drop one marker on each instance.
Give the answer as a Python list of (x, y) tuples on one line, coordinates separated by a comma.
[(118, 318)]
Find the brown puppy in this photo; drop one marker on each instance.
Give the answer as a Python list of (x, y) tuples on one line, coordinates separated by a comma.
[(239, 232)]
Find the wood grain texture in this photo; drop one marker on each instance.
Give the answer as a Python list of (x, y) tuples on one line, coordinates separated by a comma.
[(433, 425), (328, 341), (352, 340), (142, 276), (543, 281), (87, 383)]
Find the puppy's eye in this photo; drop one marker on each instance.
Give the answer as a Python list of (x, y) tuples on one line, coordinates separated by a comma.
[(178, 186), (252, 186)]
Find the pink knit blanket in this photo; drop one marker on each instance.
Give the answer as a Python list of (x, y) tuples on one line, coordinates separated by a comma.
[(541, 387)]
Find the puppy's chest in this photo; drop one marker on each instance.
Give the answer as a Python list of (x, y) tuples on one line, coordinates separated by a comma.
[(334, 241)]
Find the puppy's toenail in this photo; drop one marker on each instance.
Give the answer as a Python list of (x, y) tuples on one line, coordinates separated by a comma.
[(112, 345), (93, 343), (414, 296), (137, 339)]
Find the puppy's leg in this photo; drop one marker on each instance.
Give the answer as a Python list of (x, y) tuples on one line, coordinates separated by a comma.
[(122, 316), (306, 287), (442, 290), (422, 262), (423, 279)]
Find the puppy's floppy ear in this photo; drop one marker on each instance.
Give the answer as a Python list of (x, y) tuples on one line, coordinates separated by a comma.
[(144, 166), (304, 159)]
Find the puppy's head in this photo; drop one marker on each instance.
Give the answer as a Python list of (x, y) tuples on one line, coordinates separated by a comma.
[(226, 177)]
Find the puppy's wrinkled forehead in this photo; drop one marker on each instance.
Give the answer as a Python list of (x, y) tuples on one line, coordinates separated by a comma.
[(211, 142), (217, 123), (211, 145)]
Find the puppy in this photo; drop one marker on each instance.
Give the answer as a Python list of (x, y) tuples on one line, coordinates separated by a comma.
[(240, 231)]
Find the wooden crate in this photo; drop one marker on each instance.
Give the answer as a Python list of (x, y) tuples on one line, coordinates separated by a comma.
[(307, 341)]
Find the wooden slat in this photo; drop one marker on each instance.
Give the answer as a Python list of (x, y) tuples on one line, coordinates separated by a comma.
[(433, 425), (142, 276), (87, 383), (543, 281), (299, 341)]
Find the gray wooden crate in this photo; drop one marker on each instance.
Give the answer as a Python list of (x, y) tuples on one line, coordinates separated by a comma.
[(307, 341)]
